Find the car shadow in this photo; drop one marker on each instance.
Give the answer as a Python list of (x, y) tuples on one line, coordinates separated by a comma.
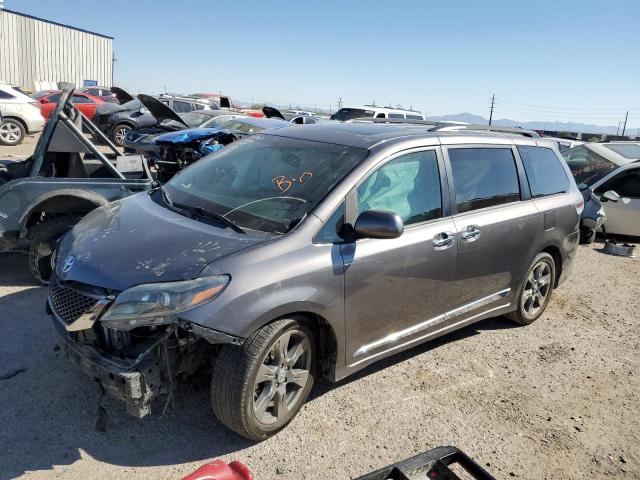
[(14, 271), (49, 413), (494, 323)]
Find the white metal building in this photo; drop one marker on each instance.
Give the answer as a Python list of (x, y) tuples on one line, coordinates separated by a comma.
[(37, 53)]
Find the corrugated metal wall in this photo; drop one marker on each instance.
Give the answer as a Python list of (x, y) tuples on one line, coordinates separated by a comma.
[(33, 50)]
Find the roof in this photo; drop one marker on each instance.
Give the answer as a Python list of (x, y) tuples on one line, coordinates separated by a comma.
[(55, 23), (602, 150), (368, 135)]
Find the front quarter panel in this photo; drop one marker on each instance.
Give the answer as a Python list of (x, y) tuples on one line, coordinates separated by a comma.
[(284, 276)]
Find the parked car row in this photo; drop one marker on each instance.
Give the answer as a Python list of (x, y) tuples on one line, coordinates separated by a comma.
[(20, 115)]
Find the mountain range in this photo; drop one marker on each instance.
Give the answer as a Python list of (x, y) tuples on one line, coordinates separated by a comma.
[(554, 126)]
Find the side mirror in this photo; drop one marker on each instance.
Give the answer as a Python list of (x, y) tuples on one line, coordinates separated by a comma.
[(378, 224), (611, 196)]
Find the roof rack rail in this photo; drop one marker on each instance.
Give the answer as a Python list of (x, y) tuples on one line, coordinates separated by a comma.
[(492, 128), (440, 125)]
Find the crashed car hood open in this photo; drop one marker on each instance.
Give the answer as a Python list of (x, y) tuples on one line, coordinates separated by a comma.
[(160, 110), (138, 240)]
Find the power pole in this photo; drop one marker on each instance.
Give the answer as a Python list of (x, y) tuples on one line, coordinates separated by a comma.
[(618, 129), (493, 98), (624, 127), (340, 103)]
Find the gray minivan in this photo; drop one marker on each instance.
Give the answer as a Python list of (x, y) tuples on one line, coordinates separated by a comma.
[(315, 251)]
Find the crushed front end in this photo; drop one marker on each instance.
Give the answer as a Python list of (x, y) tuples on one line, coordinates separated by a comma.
[(135, 365)]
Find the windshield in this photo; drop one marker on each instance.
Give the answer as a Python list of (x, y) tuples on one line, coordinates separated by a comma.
[(587, 166), (264, 182), (194, 119), (345, 114), (627, 150), (134, 104), (241, 125)]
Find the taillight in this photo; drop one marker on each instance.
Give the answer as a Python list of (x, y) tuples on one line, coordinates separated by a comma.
[(580, 205)]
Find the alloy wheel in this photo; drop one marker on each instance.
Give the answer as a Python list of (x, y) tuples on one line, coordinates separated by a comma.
[(536, 289), (9, 133), (282, 377), (120, 134)]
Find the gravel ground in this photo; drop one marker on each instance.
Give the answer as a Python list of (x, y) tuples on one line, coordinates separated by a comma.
[(556, 399)]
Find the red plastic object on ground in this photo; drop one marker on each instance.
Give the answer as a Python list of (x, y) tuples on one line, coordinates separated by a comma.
[(218, 470)]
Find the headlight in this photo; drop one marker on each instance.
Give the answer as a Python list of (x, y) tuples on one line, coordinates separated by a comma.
[(160, 303)]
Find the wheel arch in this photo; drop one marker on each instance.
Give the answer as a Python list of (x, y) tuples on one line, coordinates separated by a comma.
[(556, 254), (327, 340), (60, 201), (17, 119)]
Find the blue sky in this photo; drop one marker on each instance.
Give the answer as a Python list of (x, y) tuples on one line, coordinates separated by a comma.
[(544, 60)]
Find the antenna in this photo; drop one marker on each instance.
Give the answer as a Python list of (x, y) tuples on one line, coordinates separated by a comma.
[(493, 98)]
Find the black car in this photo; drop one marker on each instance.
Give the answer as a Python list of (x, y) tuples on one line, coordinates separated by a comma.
[(116, 120)]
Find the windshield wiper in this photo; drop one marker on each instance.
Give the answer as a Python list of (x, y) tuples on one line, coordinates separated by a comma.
[(202, 212)]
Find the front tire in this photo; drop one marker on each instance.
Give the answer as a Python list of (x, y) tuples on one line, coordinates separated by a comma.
[(44, 240), (258, 388), (119, 133), (536, 290), (12, 132)]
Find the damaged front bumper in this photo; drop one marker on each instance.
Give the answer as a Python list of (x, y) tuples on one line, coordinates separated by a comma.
[(136, 373), (136, 383)]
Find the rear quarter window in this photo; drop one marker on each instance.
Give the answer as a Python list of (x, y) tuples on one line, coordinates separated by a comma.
[(545, 172)]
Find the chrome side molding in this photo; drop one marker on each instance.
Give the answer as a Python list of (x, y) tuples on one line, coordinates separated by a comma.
[(451, 314)]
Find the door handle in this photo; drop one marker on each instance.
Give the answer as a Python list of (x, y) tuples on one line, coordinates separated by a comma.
[(443, 240), (470, 233)]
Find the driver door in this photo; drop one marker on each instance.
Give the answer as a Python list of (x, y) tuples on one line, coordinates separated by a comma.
[(396, 290)]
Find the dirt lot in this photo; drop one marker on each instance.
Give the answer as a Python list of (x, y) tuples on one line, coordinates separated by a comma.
[(557, 399)]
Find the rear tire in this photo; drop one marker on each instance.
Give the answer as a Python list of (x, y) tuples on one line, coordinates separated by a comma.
[(536, 289), (12, 132), (259, 387), (44, 238)]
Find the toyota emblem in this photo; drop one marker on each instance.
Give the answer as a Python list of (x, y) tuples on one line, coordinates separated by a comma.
[(68, 264)]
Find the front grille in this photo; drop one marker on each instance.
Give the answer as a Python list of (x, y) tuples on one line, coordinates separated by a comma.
[(69, 304)]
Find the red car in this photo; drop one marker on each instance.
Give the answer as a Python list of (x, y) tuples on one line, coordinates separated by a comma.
[(86, 103)]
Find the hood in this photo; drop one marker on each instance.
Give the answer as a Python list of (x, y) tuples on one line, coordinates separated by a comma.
[(190, 135), (136, 240), (159, 109), (122, 95), (271, 112)]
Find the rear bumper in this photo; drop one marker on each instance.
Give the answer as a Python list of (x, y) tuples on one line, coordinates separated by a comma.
[(136, 383)]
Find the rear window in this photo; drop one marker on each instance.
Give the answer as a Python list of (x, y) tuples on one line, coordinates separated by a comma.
[(5, 95), (587, 167), (627, 150), (414, 117), (545, 173), (345, 114), (483, 177)]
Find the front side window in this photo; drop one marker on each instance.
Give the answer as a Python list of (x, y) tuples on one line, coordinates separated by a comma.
[(626, 184), (587, 167), (81, 99), (332, 230), (264, 182), (408, 185), (483, 177), (545, 173)]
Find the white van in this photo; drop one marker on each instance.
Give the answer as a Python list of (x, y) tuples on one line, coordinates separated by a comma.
[(345, 114)]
